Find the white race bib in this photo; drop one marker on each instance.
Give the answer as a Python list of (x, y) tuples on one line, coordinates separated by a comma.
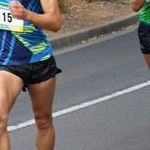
[(7, 22)]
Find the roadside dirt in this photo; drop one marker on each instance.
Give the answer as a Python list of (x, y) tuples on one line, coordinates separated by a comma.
[(82, 15)]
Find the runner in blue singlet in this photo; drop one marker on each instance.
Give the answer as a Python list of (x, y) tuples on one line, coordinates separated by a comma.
[(31, 45), (27, 62)]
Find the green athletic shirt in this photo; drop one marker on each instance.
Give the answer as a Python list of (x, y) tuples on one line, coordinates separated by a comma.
[(145, 13)]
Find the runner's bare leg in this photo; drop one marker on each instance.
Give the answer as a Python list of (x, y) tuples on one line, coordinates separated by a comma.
[(42, 99), (10, 87), (147, 59)]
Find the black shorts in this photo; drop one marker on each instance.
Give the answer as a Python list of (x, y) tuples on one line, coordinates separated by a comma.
[(35, 72), (144, 37)]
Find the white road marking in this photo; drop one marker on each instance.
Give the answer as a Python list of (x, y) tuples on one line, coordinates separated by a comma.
[(83, 105)]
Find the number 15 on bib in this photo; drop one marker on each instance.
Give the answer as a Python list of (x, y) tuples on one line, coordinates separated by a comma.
[(7, 22)]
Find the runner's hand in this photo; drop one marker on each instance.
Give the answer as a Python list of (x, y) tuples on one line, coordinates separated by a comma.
[(17, 10)]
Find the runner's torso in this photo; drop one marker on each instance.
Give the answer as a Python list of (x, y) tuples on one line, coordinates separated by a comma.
[(27, 45)]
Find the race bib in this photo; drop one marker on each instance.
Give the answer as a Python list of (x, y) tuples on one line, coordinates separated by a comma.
[(7, 22)]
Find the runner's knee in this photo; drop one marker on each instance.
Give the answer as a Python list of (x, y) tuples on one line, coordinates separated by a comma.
[(43, 122), (3, 120)]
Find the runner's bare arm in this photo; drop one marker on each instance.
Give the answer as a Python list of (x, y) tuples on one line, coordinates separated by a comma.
[(136, 5), (49, 20)]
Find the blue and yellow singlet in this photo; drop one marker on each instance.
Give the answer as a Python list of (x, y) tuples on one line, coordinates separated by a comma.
[(28, 46)]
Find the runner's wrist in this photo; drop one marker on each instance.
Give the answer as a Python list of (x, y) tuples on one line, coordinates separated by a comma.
[(28, 16)]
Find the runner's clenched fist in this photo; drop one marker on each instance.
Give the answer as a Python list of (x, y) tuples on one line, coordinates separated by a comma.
[(17, 10)]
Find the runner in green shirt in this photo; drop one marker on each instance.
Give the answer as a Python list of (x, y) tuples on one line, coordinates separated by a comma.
[(145, 13), (144, 26)]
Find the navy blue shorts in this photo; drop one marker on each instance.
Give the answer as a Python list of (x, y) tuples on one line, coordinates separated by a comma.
[(35, 72), (144, 37)]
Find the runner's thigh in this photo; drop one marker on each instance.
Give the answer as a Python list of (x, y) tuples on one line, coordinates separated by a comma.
[(42, 96), (10, 87)]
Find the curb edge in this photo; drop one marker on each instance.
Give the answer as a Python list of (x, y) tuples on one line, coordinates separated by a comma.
[(71, 39)]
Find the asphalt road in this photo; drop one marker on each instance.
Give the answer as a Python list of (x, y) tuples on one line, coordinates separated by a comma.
[(111, 76)]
